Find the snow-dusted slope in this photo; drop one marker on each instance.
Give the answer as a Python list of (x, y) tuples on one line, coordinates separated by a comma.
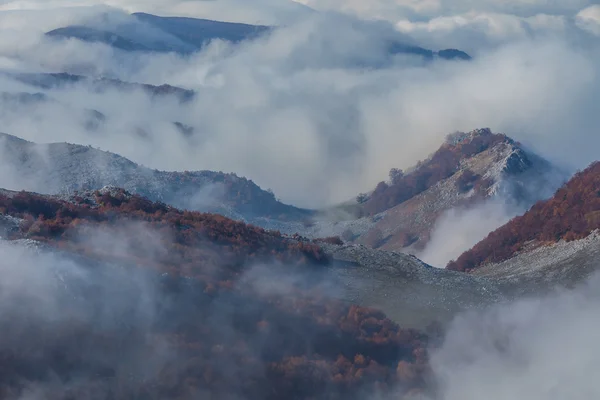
[(503, 171), (562, 262), (66, 168)]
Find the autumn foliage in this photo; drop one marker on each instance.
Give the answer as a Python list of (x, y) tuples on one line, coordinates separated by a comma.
[(231, 340), (572, 213), (444, 163)]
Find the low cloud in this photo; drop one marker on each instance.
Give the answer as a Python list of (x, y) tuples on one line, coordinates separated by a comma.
[(394, 10), (589, 19), (536, 349), (316, 111), (460, 229)]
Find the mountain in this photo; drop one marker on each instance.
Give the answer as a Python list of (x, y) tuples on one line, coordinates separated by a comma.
[(61, 80), (186, 35), (397, 48), (468, 169), (197, 32), (144, 300), (557, 239), (198, 303), (67, 168), (180, 34)]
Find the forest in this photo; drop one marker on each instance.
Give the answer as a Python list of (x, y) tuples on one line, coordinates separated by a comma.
[(444, 163), (225, 337), (572, 213)]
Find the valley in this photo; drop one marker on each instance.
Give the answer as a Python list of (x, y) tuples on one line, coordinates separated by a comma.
[(299, 200)]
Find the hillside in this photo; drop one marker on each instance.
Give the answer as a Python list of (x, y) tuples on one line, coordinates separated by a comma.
[(409, 291), (66, 168), (573, 213), (444, 163), (213, 324), (468, 169)]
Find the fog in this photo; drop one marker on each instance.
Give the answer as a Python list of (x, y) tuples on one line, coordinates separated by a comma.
[(318, 111), (458, 230), (319, 100), (534, 349), (103, 322)]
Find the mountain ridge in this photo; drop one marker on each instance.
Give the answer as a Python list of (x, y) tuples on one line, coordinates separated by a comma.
[(65, 168), (401, 214)]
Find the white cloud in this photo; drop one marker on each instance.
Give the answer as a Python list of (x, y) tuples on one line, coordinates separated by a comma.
[(589, 19), (477, 31), (294, 113), (424, 9), (536, 349), (460, 229)]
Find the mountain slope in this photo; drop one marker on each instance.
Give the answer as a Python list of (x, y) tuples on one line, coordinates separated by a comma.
[(172, 303), (572, 214), (406, 289), (66, 168), (469, 169)]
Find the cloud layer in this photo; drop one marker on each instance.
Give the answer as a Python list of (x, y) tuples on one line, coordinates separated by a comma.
[(535, 349), (317, 111)]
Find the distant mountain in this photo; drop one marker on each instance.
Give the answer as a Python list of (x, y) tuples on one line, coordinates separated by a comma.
[(66, 168), (191, 34), (468, 169), (60, 80), (397, 48), (558, 238), (186, 35), (91, 119), (197, 32), (92, 35)]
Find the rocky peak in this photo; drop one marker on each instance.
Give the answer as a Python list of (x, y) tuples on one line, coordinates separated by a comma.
[(517, 162), (457, 138)]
